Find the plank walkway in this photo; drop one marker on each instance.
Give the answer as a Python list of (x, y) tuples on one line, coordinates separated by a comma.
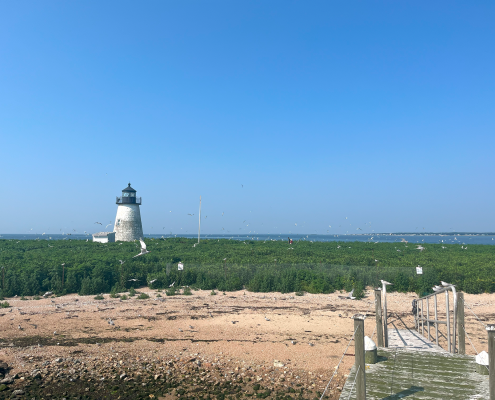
[(414, 368)]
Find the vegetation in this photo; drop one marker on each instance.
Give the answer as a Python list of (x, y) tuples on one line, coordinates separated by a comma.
[(33, 268), (5, 304), (187, 291), (143, 296), (99, 297)]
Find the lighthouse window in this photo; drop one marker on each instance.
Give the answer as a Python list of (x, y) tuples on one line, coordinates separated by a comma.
[(125, 194), (132, 194)]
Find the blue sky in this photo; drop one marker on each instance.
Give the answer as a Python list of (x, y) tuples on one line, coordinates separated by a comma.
[(378, 111)]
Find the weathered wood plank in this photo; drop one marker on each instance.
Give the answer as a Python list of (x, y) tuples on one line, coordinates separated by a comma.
[(410, 339), (419, 375)]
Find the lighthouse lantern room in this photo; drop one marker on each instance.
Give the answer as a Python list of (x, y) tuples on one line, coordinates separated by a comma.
[(128, 225)]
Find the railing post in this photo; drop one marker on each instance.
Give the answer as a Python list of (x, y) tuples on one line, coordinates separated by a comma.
[(385, 327), (416, 316), (379, 318), (491, 359), (428, 316), (359, 357), (460, 323), (454, 318), (436, 319), (448, 319), (422, 320)]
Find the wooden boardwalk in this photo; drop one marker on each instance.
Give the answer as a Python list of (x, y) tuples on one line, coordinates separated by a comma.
[(414, 368)]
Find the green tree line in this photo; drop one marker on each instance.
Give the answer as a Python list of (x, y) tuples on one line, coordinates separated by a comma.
[(32, 267)]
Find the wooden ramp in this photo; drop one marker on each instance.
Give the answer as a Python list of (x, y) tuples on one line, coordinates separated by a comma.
[(413, 368)]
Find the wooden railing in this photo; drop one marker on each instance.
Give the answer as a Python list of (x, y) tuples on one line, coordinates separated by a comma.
[(423, 316)]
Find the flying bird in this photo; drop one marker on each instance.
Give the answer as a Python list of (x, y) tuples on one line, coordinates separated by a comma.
[(132, 280), (172, 285), (152, 281), (121, 262), (420, 248), (143, 249), (95, 223)]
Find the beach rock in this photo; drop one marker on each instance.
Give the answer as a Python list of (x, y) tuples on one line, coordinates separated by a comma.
[(18, 392), (3, 367), (7, 380), (278, 364), (36, 374)]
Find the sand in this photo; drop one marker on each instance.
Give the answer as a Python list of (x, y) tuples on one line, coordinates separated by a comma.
[(279, 334)]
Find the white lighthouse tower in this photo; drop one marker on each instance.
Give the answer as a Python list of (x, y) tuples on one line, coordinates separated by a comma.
[(128, 220)]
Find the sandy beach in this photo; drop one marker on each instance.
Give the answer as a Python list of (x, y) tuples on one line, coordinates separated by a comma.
[(264, 344)]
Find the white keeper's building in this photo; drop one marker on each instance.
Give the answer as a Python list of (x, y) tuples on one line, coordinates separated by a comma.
[(104, 237)]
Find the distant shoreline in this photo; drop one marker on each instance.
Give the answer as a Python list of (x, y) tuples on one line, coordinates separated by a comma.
[(284, 234), (275, 234)]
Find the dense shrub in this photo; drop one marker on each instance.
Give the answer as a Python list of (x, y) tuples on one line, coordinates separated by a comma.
[(32, 268)]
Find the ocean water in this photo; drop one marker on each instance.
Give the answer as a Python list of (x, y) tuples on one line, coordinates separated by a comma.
[(464, 239)]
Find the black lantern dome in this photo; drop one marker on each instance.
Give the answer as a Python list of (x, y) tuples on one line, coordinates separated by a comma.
[(128, 196)]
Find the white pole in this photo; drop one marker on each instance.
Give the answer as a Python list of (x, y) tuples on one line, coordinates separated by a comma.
[(199, 226)]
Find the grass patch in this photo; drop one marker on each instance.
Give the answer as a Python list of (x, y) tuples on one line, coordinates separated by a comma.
[(187, 291), (5, 304), (143, 296), (98, 297)]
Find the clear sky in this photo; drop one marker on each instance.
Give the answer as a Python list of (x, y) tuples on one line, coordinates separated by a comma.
[(276, 112)]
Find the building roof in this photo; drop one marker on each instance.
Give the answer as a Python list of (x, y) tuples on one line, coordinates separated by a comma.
[(128, 188), (102, 234)]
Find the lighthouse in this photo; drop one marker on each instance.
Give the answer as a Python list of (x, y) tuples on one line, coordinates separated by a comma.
[(128, 220)]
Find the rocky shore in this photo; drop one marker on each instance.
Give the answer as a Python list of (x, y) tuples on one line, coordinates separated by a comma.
[(188, 376)]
